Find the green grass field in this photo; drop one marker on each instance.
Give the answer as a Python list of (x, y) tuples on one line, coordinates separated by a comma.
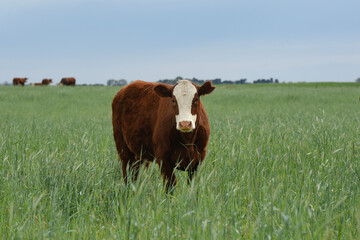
[(283, 163)]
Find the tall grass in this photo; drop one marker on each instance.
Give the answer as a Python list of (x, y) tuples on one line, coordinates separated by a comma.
[(282, 163)]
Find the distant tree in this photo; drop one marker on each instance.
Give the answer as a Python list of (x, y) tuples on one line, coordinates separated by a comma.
[(227, 82), (122, 82), (112, 82), (216, 81), (241, 81), (357, 80), (168, 81), (197, 81), (271, 80)]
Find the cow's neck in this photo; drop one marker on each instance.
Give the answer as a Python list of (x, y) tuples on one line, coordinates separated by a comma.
[(188, 138)]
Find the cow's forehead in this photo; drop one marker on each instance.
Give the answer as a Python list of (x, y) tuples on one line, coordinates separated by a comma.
[(184, 88)]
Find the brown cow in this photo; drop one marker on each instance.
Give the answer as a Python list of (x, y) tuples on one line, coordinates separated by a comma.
[(161, 122), (46, 81), (68, 81), (19, 81)]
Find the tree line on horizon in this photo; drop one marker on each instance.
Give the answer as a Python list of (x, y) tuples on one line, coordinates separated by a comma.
[(216, 81), (123, 82)]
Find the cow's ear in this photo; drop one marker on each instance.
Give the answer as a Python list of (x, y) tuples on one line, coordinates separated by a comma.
[(163, 90), (206, 88)]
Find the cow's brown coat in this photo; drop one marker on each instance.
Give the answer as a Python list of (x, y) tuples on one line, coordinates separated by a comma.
[(68, 81), (19, 81), (46, 81), (144, 128)]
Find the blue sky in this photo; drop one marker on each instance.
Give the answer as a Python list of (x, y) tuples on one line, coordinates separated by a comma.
[(294, 41)]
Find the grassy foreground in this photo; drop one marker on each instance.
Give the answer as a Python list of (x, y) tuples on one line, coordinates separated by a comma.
[(283, 163)]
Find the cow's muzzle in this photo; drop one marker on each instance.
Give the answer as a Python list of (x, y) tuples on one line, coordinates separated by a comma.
[(186, 126)]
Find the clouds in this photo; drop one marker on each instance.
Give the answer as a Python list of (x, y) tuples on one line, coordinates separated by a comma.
[(158, 39)]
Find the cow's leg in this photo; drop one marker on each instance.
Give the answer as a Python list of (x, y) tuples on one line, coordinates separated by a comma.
[(168, 172), (191, 173), (126, 158), (135, 166)]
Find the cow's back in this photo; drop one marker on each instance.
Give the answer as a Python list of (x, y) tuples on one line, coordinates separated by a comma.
[(19, 81), (134, 116), (70, 81)]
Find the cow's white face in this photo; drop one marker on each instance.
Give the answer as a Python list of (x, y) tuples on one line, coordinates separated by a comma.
[(184, 93), (186, 102)]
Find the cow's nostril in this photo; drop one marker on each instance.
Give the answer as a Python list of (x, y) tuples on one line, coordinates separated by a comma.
[(185, 124)]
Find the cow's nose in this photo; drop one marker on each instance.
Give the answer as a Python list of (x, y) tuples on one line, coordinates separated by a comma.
[(185, 125)]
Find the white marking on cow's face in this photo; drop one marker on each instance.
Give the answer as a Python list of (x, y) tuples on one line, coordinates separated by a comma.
[(184, 93)]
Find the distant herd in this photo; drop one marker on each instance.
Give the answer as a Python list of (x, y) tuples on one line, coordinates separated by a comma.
[(66, 81)]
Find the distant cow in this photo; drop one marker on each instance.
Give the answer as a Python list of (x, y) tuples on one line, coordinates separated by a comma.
[(46, 81), (69, 81), (19, 81), (168, 124)]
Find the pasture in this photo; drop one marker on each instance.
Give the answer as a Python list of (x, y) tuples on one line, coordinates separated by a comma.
[(283, 162)]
